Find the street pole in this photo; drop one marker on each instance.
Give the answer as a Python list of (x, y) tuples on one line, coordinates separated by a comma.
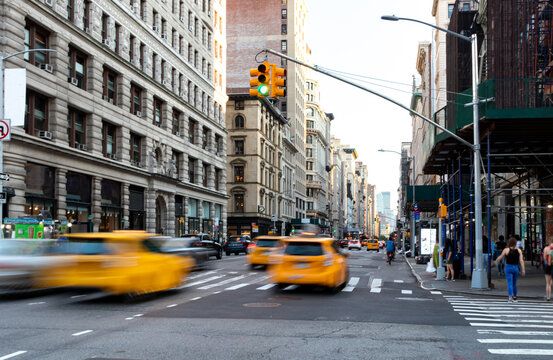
[(413, 226), (479, 275)]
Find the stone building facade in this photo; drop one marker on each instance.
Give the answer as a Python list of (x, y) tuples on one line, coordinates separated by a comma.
[(124, 126)]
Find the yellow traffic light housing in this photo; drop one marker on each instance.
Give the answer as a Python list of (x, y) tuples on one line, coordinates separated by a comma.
[(261, 81), (442, 212), (277, 81)]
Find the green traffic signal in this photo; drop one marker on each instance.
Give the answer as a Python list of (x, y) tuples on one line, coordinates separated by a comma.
[(263, 90)]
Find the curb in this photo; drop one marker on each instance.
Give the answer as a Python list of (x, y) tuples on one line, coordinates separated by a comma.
[(465, 292)]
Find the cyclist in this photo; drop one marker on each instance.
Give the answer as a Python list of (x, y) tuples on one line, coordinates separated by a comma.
[(390, 249)]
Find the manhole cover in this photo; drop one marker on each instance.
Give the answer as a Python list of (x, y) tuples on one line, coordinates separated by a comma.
[(261, 305), (413, 299)]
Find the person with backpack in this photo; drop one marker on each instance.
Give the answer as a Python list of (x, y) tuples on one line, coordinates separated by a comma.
[(513, 258)]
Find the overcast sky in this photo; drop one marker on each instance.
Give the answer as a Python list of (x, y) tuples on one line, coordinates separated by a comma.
[(349, 36)]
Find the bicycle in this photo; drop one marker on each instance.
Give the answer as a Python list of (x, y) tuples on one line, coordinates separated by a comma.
[(389, 257)]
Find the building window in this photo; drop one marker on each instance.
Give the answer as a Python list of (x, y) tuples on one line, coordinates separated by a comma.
[(192, 131), (309, 139), (132, 46), (219, 143), (283, 45), (71, 10), (76, 70), (310, 124), (117, 37), (136, 100), (309, 205), (239, 147), (191, 169), (157, 112), (309, 152), (76, 127), (175, 159), (239, 174), (309, 165), (110, 86), (239, 203), (450, 8), (283, 29), (204, 138), (284, 14), (204, 174), (36, 113), (109, 144), (135, 142), (105, 18), (175, 122), (86, 12), (36, 38), (310, 192), (238, 105), (239, 122), (309, 177)]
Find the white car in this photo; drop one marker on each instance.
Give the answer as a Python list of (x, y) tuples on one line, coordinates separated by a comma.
[(354, 244)]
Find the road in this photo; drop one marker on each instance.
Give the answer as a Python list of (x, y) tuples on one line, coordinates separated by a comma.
[(232, 312)]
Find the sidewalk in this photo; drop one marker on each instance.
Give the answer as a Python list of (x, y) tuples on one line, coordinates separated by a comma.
[(531, 286)]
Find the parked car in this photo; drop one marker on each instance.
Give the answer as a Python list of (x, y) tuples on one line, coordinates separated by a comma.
[(261, 249), (203, 240), (184, 247), (343, 243), (310, 260), (120, 263), (237, 244), (381, 244), (354, 244), (372, 244)]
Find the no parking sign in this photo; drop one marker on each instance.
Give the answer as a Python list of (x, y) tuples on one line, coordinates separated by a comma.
[(5, 130)]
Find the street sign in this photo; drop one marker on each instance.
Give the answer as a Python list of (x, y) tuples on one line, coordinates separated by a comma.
[(255, 228), (274, 218), (4, 177), (5, 132)]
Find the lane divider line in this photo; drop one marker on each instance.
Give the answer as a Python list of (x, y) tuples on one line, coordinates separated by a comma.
[(172, 305), (9, 356), (82, 333)]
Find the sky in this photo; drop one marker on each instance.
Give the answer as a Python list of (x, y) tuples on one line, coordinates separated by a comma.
[(350, 37)]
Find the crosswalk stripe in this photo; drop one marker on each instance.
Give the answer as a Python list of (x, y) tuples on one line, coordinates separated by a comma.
[(237, 286), (507, 315), (191, 277), (514, 332), (376, 283), (201, 281), (514, 341), (521, 351), (407, 292), (224, 282), (518, 320), (513, 325), (436, 292), (398, 281), (376, 290), (266, 287), (351, 284)]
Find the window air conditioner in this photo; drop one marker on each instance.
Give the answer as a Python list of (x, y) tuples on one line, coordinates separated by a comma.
[(45, 135), (49, 2), (74, 81), (107, 98), (177, 133), (88, 31), (112, 156), (164, 36), (134, 8), (106, 42), (181, 19), (47, 67), (156, 28), (139, 114), (182, 94), (165, 83), (191, 28), (209, 13), (82, 147)]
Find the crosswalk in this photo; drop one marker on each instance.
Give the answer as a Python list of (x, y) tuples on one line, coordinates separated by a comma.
[(522, 328), (220, 280)]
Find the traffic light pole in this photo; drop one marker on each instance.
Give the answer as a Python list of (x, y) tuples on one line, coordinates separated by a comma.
[(318, 69)]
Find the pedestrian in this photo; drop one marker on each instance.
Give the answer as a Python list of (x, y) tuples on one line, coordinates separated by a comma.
[(450, 251), (519, 242), (514, 259), (499, 247), (547, 251)]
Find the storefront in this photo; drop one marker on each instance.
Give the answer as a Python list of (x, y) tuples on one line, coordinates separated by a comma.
[(40, 195), (179, 216), (78, 202), (193, 219), (137, 214), (111, 205), (207, 225)]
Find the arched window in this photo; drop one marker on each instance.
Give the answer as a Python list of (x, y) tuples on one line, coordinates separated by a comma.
[(310, 112), (239, 122)]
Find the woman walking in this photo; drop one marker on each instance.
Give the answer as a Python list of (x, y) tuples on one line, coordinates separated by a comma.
[(514, 258), (547, 268), (450, 251)]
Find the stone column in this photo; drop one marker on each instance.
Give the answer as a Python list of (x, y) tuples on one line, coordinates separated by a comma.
[(57, 110), (61, 194), (198, 175), (211, 177), (96, 202), (94, 135), (125, 203), (185, 210), (224, 215), (199, 208), (150, 198), (170, 215)]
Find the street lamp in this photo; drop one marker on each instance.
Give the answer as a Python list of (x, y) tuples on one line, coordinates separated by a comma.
[(479, 275), (413, 233), (2, 59)]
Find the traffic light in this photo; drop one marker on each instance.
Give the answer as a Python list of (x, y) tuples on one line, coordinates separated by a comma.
[(277, 81), (292, 231), (261, 81), (442, 212)]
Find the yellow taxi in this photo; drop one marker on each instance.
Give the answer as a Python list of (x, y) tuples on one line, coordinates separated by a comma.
[(372, 244), (260, 250), (310, 260), (120, 262)]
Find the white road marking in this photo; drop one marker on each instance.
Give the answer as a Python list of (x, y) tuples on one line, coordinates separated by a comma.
[(291, 287), (436, 292), (237, 286), (222, 282), (511, 332), (77, 296), (172, 305), (138, 315), (9, 356), (512, 325), (233, 272), (82, 333), (514, 341), (521, 351), (407, 292), (216, 292), (129, 318), (351, 284), (37, 303), (266, 287), (202, 274), (376, 290), (376, 283), (196, 298), (506, 315), (398, 281), (200, 281)]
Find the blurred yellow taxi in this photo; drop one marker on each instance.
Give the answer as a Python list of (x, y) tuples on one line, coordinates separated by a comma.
[(120, 262), (310, 260), (260, 250), (372, 244)]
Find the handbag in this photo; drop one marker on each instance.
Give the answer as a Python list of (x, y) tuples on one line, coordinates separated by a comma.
[(430, 267)]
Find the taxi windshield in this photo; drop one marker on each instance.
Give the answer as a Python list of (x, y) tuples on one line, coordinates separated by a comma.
[(267, 243), (304, 249)]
